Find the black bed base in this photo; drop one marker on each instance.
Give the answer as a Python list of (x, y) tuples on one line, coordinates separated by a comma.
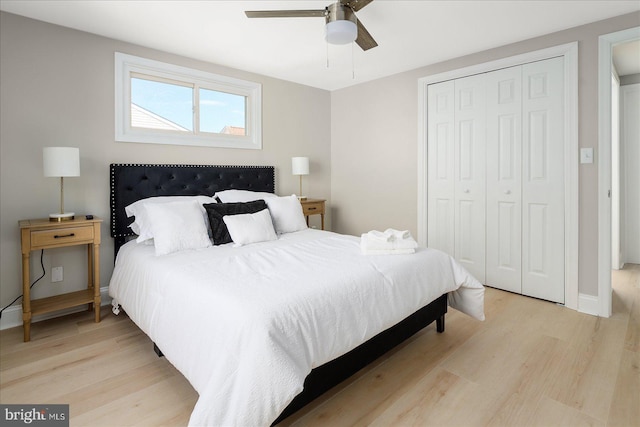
[(334, 372)]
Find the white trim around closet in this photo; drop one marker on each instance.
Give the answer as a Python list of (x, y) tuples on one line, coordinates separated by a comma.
[(570, 53)]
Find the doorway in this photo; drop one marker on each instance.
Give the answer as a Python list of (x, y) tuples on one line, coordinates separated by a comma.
[(607, 43)]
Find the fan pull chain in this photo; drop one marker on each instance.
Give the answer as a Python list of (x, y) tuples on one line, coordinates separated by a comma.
[(327, 54), (353, 61)]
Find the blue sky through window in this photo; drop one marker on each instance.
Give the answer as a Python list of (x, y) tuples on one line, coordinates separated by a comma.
[(174, 102), (219, 109)]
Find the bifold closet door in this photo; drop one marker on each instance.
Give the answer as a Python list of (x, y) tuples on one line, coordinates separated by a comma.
[(543, 180), (440, 152), (469, 174), (504, 171), (500, 213)]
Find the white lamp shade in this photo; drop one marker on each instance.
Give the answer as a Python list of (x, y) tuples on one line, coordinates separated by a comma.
[(341, 31), (300, 165), (61, 161)]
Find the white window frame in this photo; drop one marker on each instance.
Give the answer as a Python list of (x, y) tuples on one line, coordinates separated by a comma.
[(126, 65)]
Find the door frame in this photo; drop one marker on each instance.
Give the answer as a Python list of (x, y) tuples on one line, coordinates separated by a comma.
[(605, 51), (569, 52)]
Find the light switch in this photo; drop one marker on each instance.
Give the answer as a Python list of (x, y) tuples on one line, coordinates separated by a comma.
[(586, 155)]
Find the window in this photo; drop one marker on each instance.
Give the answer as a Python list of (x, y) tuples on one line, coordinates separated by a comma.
[(168, 104)]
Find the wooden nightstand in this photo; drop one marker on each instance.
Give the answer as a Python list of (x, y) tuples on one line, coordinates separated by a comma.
[(313, 207), (44, 234)]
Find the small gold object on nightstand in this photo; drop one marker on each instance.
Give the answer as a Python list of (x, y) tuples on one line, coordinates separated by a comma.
[(313, 207), (44, 234)]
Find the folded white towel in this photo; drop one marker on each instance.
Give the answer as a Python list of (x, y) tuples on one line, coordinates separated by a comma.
[(390, 239), (397, 234), (379, 236), (388, 251)]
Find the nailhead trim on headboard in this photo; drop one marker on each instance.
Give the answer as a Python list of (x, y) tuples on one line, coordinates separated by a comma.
[(131, 182)]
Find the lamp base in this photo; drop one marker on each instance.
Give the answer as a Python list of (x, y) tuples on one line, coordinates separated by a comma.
[(59, 217)]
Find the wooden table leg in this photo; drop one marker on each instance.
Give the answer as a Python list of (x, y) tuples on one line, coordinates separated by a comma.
[(90, 272), (96, 281), (26, 298)]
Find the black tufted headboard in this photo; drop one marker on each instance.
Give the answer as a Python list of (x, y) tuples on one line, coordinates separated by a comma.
[(132, 182)]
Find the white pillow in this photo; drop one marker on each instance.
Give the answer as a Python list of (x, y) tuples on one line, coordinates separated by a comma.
[(286, 213), (142, 226), (177, 226), (250, 228), (233, 196)]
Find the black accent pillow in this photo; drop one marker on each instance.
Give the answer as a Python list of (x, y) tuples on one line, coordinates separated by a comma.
[(216, 211)]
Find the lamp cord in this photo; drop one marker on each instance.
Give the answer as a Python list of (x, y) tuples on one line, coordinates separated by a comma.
[(36, 281)]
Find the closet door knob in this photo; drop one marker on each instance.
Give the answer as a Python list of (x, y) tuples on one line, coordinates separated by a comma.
[(467, 191), (507, 191)]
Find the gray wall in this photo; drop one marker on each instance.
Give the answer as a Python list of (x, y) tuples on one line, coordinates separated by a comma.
[(57, 88), (629, 79), (374, 140)]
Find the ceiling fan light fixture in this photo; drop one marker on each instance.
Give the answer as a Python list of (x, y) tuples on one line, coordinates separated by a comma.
[(341, 31)]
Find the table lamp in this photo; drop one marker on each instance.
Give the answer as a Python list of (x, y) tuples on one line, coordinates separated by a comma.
[(300, 166), (61, 162)]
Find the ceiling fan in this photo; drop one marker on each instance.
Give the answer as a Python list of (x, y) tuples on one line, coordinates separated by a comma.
[(342, 24)]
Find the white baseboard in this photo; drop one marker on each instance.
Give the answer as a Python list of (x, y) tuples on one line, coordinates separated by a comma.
[(588, 304), (12, 316)]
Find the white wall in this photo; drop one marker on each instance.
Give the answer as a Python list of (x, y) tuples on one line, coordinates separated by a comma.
[(57, 88), (374, 143), (616, 247), (630, 147)]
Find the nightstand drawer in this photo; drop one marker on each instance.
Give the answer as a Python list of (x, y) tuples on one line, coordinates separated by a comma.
[(62, 236), (311, 208)]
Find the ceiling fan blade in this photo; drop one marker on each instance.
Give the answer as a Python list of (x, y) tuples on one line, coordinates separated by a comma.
[(364, 40), (285, 13), (355, 5)]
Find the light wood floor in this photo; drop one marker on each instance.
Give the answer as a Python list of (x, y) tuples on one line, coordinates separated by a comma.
[(531, 363)]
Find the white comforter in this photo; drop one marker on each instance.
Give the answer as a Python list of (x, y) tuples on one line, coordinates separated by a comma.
[(245, 325)]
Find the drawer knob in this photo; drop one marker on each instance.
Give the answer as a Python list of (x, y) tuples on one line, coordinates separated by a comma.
[(60, 236), (312, 209)]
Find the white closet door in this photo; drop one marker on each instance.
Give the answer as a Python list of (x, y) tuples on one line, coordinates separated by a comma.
[(543, 180), (440, 218), (504, 171), (469, 170)]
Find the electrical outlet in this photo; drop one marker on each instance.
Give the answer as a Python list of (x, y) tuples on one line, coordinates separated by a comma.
[(56, 274)]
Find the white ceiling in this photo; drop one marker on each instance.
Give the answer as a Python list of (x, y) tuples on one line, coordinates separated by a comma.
[(410, 34)]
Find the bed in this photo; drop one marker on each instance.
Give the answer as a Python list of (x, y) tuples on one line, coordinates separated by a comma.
[(262, 329)]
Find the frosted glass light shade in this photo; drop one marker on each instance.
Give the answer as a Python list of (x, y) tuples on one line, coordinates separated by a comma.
[(341, 31), (61, 161), (300, 165)]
